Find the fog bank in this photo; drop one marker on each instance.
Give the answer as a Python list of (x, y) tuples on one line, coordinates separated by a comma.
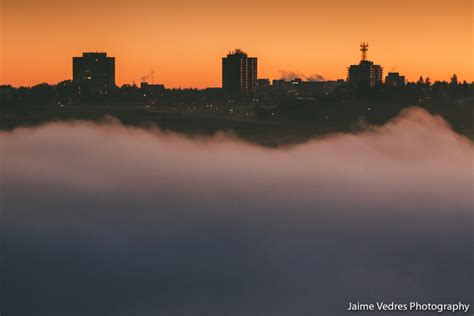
[(103, 219)]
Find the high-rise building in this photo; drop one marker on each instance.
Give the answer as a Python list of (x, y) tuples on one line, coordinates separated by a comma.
[(366, 72), (239, 75), (94, 72), (393, 79)]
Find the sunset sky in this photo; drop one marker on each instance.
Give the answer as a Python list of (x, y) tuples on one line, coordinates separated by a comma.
[(184, 40)]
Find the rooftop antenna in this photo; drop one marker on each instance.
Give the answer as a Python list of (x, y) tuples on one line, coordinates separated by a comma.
[(364, 48)]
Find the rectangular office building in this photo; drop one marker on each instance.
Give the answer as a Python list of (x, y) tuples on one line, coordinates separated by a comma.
[(94, 72)]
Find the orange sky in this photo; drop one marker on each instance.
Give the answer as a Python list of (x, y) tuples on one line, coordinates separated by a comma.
[(184, 40)]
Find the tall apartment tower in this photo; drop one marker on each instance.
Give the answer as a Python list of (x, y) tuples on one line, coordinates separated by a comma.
[(239, 75), (366, 72), (94, 72)]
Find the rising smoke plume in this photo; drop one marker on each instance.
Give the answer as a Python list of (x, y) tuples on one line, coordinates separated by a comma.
[(290, 75)]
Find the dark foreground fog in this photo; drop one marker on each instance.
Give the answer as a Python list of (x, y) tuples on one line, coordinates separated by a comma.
[(109, 220)]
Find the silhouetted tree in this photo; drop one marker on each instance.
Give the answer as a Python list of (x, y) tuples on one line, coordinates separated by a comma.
[(420, 81), (42, 94), (67, 91), (454, 80), (428, 82)]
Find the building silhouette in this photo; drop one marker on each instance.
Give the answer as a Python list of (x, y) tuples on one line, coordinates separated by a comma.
[(94, 73), (152, 87), (239, 75), (366, 73), (393, 79)]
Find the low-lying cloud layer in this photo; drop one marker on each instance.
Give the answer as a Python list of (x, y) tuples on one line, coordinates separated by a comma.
[(102, 219)]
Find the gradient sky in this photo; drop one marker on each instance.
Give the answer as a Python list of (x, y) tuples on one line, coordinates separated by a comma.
[(184, 40)]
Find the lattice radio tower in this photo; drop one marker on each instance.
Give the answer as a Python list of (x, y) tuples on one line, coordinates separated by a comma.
[(364, 48)]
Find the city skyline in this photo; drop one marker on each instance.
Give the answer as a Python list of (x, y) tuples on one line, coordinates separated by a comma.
[(288, 76), (421, 38), (94, 72)]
